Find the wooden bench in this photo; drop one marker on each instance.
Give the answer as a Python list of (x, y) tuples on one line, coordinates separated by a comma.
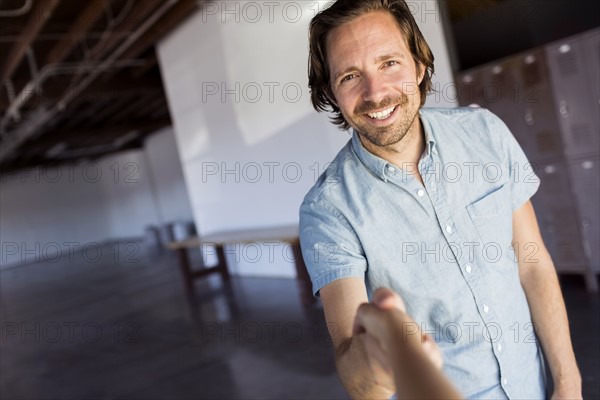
[(283, 234)]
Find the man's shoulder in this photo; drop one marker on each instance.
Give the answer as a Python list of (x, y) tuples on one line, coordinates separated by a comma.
[(474, 127), (330, 183), (459, 115)]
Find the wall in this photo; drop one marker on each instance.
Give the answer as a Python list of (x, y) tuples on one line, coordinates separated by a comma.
[(44, 211), (251, 145), (47, 213), (167, 183)]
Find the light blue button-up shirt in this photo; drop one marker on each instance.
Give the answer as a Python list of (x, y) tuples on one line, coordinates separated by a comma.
[(444, 246)]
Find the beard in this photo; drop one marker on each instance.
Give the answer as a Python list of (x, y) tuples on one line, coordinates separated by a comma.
[(382, 136)]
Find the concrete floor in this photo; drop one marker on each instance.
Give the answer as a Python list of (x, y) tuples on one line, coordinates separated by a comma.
[(120, 327)]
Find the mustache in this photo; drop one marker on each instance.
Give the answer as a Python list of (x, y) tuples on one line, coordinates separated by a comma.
[(369, 106)]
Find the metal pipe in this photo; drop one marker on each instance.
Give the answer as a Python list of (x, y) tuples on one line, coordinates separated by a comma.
[(56, 69), (10, 90), (11, 142), (15, 105), (63, 152), (36, 21), (18, 12), (33, 67), (120, 50)]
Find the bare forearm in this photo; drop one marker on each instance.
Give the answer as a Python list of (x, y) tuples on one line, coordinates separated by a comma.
[(355, 372), (417, 377), (549, 316)]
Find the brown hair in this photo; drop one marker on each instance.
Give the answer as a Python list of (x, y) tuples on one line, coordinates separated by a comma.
[(343, 11)]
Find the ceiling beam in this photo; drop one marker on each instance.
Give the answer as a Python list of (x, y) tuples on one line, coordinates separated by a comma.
[(81, 112), (42, 11), (25, 131), (127, 110), (152, 108), (119, 34), (140, 11), (151, 62), (86, 19), (80, 136), (123, 84), (105, 113)]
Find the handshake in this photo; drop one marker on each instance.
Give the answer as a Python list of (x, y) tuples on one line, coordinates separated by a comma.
[(413, 361)]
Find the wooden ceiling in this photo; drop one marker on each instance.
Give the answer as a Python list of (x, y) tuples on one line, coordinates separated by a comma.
[(459, 9), (79, 78)]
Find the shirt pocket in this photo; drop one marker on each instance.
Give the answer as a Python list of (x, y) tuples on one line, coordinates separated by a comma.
[(492, 217)]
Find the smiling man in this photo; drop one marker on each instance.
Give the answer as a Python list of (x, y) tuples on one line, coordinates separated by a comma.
[(433, 203)]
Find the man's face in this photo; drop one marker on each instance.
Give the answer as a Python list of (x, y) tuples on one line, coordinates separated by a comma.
[(374, 78)]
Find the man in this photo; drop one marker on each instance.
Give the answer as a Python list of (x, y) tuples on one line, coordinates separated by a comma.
[(433, 204)]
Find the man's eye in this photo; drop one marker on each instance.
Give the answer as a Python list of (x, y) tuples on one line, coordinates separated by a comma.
[(390, 63), (347, 78)]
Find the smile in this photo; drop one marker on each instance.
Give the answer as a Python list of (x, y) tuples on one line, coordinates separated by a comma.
[(382, 114)]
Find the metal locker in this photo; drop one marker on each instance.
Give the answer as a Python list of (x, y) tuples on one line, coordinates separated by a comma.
[(585, 179), (500, 92), (573, 96), (592, 62), (503, 96), (540, 138), (491, 86), (550, 99), (554, 184), (559, 229), (469, 88), (558, 217)]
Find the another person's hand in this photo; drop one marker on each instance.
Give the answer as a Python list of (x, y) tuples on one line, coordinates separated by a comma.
[(387, 299), (381, 368), (395, 344), (381, 371)]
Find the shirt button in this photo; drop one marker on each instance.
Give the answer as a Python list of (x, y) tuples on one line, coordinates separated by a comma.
[(499, 348), (448, 229), (391, 169), (486, 309), (468, 269), (504, 381), (420, 192)]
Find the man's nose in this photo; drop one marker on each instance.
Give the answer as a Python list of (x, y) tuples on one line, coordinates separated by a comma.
[(374, 89)]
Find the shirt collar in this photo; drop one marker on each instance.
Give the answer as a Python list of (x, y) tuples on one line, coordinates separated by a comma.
[(378, 165)]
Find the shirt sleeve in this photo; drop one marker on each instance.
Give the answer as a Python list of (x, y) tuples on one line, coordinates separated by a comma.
[(330, 247), (523, 181)]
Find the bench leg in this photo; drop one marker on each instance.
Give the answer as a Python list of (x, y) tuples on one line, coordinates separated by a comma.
[(222, 265), (227, 284), (186, 273)]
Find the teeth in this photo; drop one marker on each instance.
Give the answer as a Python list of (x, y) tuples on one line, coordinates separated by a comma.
[(382, 114)]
